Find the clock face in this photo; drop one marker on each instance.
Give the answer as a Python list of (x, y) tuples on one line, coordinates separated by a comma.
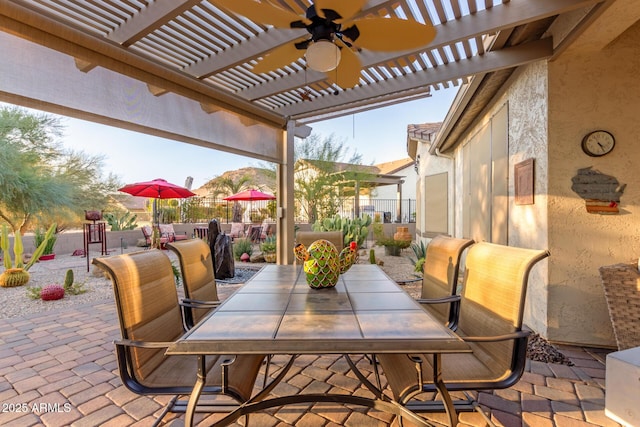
[(598, 143)]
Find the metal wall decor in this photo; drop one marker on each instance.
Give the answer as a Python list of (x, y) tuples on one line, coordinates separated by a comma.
[(524, 182)]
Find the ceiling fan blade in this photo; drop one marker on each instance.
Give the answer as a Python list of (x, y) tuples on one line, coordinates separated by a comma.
[(264, 13), (347, 75), (278, 58), (346, 9), (393, 34)]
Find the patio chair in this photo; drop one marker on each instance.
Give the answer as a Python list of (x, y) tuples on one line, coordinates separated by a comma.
[(490, 321), (150, 320), (201, 294), (308, 237), (440, 278), (147, 232), (200, 291), (237, 230), (167, 230)]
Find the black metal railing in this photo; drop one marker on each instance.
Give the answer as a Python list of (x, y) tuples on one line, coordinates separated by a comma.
[(203, 209)]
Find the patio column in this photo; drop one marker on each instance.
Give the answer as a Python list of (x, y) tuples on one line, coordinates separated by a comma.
[(284, 198)]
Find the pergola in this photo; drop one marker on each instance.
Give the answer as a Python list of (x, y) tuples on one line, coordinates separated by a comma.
[(182, 69)]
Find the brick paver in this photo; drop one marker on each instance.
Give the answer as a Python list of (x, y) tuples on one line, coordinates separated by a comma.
[(69, 366)]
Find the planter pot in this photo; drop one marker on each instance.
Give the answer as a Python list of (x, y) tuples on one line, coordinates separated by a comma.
[(402, 233), (392, 250), (269, 257), (46, 257)]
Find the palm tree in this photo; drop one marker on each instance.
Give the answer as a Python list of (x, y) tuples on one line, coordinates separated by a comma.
[(227, 186)]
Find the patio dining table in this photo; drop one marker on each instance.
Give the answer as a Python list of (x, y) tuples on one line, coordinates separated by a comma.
[(276, 312)]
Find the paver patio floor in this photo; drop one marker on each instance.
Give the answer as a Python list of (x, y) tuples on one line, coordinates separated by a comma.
[(59, 369)]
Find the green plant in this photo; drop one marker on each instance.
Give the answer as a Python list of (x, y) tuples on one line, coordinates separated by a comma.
[(372, 256), (16, 272), (242, 246), (39, 237), (70, 286), (353, 230), (177, 275), (378, 230), (419, 249), (391, 242), (269, 244), (123, 222)]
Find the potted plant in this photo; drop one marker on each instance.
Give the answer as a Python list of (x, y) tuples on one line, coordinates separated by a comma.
[(39, 238), (268, 248), (392, 246), (16, 273)]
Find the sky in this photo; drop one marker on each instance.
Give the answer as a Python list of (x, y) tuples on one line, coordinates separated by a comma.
[(378, 135)]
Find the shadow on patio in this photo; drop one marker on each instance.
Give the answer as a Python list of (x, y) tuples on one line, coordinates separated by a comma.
[(59, 369)]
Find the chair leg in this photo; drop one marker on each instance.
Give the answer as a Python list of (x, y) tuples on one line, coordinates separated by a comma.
[(166, 410)]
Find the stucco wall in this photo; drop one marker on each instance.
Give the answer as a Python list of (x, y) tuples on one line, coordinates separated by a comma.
[(527, 225), (596, 90)]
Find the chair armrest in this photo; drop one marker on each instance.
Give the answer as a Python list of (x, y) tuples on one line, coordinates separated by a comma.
[(142, 344), (442, 300), (404, 282), (193, 303), (496, 338)]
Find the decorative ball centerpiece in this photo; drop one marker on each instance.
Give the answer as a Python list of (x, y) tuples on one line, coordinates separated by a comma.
[(323, 264)]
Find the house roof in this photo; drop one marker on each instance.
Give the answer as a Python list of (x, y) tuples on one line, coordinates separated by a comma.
[(203, 51), (395, 166), (593, 28)]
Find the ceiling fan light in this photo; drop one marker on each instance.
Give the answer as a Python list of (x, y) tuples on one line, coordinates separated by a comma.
[(322, 55)]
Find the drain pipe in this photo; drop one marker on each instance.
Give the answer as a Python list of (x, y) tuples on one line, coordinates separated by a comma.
[(453, 189)]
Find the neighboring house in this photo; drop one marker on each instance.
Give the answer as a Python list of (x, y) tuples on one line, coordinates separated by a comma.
[(373, 182), (508, 164)]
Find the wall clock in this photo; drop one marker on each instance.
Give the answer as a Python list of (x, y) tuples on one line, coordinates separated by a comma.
[(598, 143)]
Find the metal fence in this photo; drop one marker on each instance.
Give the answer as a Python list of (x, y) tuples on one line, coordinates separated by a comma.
[(203, 209)]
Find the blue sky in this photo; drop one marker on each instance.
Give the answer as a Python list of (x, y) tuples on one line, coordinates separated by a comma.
[(379, 135)]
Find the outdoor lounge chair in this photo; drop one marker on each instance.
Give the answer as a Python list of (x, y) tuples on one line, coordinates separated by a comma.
[(308, 237), (196, 266), (150, 320), (440, 278), (237, 230), (490, 321), (167, 230), (147, 232)]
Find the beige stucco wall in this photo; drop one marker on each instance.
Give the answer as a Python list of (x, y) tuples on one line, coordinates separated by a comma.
[(588, 91)]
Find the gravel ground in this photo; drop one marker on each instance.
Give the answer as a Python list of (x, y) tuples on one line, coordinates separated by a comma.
[(15, 302)]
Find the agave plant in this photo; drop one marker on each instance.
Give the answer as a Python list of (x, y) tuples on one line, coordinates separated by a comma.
[(16, 273)]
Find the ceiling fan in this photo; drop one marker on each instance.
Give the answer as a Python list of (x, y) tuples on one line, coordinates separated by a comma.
[(334, 33)]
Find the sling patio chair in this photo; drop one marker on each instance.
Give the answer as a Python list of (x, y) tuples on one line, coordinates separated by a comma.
[(200, 289), (490, 321), (150, 320), (147, 232), (440, 278)]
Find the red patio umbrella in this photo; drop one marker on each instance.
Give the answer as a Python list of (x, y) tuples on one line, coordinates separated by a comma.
[(157, 189), (250, 195)]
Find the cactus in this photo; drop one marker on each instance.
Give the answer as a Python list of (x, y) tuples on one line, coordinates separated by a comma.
[(18, 275), (353, 230), (52, 293), (68, 280), (372, 256)]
